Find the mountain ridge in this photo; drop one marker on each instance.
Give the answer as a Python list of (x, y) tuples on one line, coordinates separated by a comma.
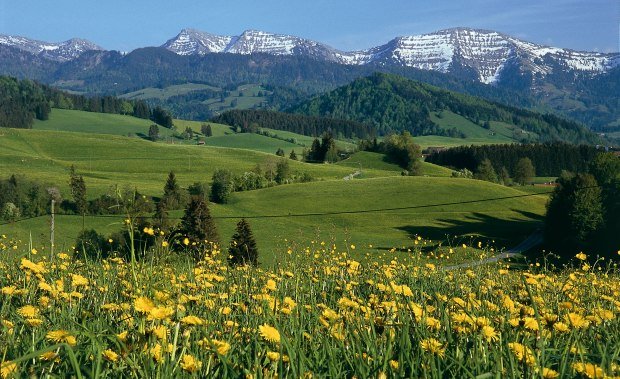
[(485, 51)]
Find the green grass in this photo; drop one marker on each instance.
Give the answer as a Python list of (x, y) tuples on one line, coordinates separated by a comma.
[(255, 142), (476, 134), (165, 93), (218, 130), (505, 221), (100, 123), (108, 160), (365, 160)]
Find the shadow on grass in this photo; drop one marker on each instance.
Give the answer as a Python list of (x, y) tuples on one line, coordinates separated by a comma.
[(506, 232)]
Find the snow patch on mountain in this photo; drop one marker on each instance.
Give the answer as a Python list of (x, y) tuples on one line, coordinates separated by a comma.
[(61, 51)]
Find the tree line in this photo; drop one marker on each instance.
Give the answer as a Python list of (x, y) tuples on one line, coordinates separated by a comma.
[(549, 159), (21, 101), (253, 120), (583, 213)]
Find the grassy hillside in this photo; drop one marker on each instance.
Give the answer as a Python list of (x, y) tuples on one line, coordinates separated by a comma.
[(106, 160), (505, 221), (109, 160), (365, 160), (101, 123), (167, 92)]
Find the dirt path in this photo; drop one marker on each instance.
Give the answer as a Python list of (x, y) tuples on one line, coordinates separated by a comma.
[(530, 242)]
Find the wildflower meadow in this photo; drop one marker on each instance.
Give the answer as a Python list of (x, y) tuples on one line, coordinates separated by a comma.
[(318, 312)]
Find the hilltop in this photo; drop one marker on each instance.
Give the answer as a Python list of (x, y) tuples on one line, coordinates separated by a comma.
[(392, 103)]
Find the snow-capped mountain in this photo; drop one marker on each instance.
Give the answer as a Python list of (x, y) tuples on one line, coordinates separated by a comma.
[(61, 51), (194, 42), (191, 42), (486, 52)]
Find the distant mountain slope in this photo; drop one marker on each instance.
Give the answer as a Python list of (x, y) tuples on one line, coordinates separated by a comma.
[(392, 103), (56, 51), (482, 52), (581, 85)]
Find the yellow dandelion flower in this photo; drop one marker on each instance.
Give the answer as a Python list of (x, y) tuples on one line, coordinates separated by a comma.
[(160, 332), (7, 369), (9, 290), (581, 256), (561, 327), (48, 356), (588, 369), (548, 373), (269, 333), (522, 353), (489, 334), (576, 320), (110, 355), (433, 346), (28, 311), (122, 336), (61, 336), (35, 268), (222, 347), (160, 313), (156, 353), (78, 280), (190, 364), (34, 322), (186, 241), (273, 355), (192, 320), (143, 305), (164, 244), (394, 364), (271, 285), (530, 323)]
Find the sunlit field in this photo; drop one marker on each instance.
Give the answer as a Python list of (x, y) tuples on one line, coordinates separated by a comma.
[(316, 312)]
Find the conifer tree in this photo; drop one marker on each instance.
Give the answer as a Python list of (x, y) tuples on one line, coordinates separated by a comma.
[(485, 171), (78, 191), (173, 197), (198, 227), (293, 155), (243, 250)]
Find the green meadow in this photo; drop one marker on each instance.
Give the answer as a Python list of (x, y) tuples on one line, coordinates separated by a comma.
[(359, 211)]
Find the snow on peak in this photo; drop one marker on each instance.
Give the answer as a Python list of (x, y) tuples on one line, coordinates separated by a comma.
[(191, 41), (61, 51), (484, 51)]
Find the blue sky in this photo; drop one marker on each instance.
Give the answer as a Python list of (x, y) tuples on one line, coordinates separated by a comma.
[(591, 25)]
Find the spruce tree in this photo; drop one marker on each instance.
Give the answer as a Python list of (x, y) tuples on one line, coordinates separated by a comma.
[(198, 227), (78, 191), (172, 192), (243, 250), (293, 155)]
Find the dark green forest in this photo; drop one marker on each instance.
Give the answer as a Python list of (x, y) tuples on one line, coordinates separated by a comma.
[(252, 120), (549, 159), (21, 101), (392, 104)]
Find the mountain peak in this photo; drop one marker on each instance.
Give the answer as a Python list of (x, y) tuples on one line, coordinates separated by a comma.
[(60, 51)]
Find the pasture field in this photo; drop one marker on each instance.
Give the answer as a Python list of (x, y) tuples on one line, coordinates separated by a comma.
[(317, 313), (67, 120), (165, 93), (107, 161), (436, 208)]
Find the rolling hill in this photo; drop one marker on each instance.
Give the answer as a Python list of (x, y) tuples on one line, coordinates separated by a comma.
[(392, 103), (107, 160)]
